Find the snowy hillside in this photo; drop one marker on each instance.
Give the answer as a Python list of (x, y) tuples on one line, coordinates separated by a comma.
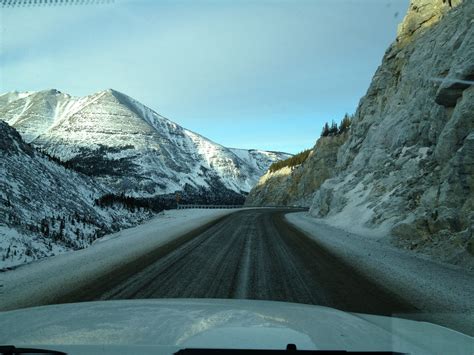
[(46, 209), (259, 159), (129, 147)]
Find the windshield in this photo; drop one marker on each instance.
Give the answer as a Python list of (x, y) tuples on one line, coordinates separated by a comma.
[(304, 152)]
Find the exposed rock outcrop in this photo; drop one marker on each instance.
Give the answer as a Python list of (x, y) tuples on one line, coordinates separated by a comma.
[(422, 14), (407, 168), (294, 186)]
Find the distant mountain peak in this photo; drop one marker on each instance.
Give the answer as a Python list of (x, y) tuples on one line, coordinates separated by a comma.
[(111, 91), (128, 146)]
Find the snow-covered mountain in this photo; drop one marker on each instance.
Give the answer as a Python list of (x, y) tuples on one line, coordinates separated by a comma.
[(260, 160), (129, 147), (46, 209), (64, 162)]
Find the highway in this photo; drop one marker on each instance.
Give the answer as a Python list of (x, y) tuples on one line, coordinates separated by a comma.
[(250, 254)]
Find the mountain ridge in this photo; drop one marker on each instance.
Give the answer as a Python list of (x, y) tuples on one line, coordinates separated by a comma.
[(75, 168), (157, 155)]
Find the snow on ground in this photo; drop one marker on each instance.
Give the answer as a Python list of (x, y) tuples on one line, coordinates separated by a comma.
[(19, 249), (444, 293), (43, 280)]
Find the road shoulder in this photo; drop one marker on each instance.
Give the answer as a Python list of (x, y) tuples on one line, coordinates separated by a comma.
[(444, 292), (49, 279)]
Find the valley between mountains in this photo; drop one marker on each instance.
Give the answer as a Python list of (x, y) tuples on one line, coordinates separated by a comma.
[(378, 216), (76, 168)]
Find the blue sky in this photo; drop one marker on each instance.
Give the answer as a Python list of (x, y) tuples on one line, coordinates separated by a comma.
[(247, 74)]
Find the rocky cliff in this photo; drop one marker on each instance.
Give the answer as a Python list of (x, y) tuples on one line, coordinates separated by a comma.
[(407, 168), (294, 186)]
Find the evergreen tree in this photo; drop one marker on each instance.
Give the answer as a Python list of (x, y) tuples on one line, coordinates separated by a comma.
[(325, 131), (8, 202), (62, 225), (345, 124), (333, 130), (44, 227)]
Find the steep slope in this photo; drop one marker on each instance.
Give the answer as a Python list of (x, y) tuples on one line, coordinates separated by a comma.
[(407, 168), (129, 147), (45, 208), (294, 186)]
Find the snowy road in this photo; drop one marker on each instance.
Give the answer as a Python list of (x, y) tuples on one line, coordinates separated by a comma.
[(250, 254)]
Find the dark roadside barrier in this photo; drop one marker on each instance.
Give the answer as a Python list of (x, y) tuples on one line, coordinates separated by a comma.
[(183, 207)]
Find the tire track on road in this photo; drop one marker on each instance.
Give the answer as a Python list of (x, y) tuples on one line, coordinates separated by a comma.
[(255, 254)]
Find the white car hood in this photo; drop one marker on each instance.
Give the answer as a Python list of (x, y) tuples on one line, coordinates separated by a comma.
[(167, 325)]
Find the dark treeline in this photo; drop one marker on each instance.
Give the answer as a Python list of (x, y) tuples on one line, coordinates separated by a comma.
[(218, 194), (334, 129), (169, 201), (329, 130), (293, 161), (156, 204), (95, 164), (52, 157)]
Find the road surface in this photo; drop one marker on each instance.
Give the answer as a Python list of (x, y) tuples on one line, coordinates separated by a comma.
[(251, 254)]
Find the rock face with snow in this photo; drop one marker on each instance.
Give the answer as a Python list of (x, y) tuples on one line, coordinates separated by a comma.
[(129, 147), (294, 186), (47, 209), (407, 168)]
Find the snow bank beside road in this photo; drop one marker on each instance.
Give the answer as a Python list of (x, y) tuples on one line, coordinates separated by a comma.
[(43, 281), (443, 293)]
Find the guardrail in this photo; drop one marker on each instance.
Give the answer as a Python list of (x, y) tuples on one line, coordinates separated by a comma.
[(281, 206), (184, 207)]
